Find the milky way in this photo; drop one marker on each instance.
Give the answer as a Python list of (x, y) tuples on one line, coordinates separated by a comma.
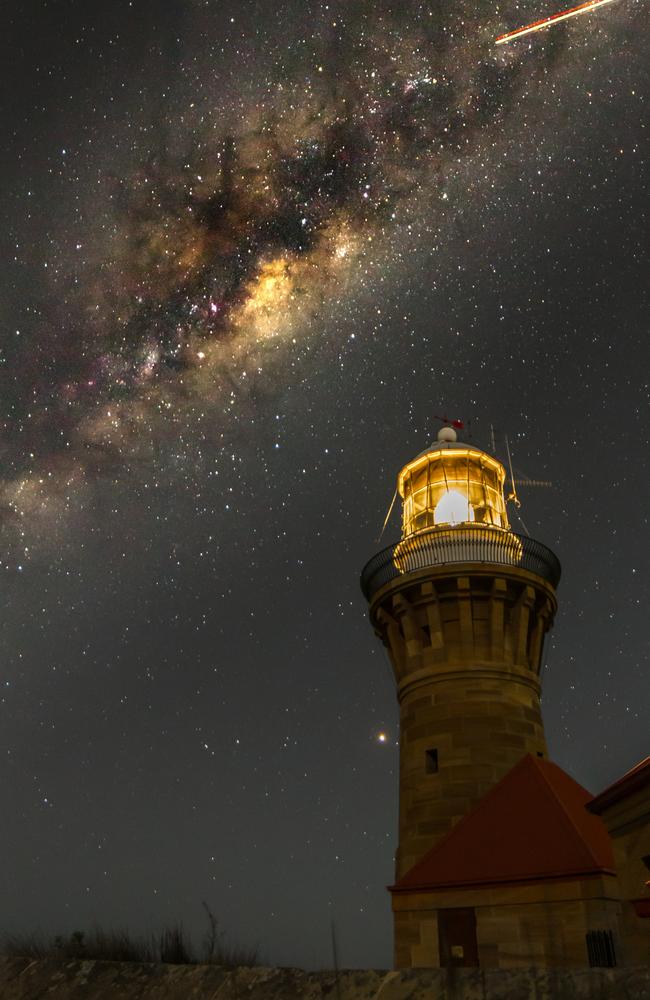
[(216, 256)]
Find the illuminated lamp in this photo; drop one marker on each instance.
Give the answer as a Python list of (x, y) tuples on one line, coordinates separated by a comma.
[(454, 508)]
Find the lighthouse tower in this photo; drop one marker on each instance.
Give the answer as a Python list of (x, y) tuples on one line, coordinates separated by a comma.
[(499, 862), (462, 604)]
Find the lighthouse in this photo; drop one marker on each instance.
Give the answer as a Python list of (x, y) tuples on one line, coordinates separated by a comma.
[(462, 604), (497, 861)]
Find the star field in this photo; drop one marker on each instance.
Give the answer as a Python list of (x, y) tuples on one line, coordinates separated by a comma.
[(250, 252)]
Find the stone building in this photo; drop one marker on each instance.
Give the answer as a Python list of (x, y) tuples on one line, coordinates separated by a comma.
[(625, 809), (522, 879), (498, 863)]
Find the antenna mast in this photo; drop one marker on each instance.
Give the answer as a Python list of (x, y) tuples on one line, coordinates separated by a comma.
[(390, 511), (513, 495)]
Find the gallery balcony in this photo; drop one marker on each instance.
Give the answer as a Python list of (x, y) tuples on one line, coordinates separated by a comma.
[(439, 547)]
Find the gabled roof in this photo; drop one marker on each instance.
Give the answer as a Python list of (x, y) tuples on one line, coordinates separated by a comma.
[(531, 826), (632, 781)]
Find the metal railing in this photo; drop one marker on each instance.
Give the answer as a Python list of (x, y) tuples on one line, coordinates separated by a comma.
[(445, 546)]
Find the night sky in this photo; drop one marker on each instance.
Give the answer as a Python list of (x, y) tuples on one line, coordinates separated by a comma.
[(250, 251)]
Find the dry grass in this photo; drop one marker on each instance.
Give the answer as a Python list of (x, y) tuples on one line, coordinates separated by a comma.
[(171, 946)]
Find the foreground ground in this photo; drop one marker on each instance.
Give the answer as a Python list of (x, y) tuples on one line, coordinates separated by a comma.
[(36, 979)]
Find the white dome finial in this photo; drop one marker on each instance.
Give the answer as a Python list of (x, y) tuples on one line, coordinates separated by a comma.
[(447, 435)]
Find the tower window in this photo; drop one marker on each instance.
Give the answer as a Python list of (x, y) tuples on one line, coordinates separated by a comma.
[(431, 761)]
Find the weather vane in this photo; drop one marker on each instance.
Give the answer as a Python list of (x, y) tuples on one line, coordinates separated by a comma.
[(458, 425)]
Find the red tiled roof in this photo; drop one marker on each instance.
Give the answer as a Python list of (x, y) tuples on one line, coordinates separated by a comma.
[(634, 780), (532, 825)]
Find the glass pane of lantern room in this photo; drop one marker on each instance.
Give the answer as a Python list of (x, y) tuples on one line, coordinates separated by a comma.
[(453, 508)]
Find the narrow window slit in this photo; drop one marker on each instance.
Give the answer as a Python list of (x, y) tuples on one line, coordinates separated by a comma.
[(431, 761)]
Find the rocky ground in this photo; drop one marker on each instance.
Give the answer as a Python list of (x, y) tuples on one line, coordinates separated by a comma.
[(38, 979)]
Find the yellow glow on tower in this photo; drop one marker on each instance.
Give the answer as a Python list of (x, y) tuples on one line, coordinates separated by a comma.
[(452, 484), (454, 508)]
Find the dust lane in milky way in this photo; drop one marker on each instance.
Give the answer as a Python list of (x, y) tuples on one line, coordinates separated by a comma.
[(218, 255)]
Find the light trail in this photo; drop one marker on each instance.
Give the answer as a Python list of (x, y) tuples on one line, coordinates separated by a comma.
[(546, 22)]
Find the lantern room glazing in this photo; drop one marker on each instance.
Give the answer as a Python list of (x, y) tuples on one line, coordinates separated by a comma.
[(452, 484)]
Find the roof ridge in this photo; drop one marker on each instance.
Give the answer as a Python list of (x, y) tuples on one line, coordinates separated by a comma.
[(563, 806), (635, 777)]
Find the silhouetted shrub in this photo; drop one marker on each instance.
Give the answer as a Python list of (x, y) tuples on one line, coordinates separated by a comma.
[(171, 946)]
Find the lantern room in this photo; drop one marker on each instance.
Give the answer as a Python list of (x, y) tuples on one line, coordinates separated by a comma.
[(452, 484)]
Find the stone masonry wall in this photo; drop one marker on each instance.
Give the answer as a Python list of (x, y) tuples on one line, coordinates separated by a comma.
[(466, 651), (516, 925)]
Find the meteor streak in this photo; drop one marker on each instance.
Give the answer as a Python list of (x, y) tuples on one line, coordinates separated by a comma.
[(546, 22)]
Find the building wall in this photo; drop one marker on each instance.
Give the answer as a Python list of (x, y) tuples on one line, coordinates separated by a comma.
[(466, 650), (629, 848), (541, 923), (628, 822), (480, 724)]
